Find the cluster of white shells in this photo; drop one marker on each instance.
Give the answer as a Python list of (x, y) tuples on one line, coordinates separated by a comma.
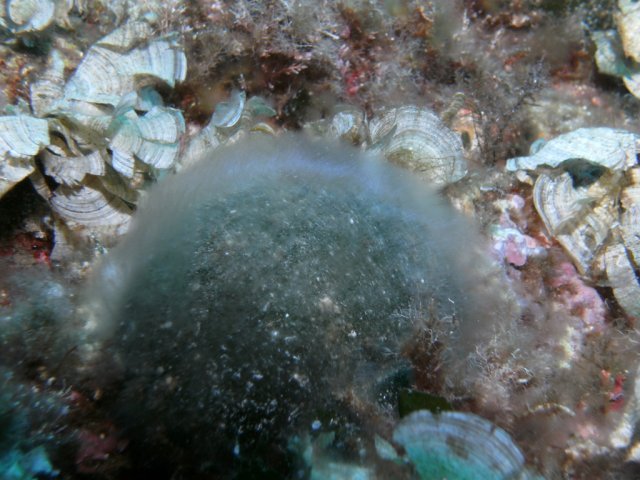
[(103, 133), (100, 132), (597, 221), (27, 17)]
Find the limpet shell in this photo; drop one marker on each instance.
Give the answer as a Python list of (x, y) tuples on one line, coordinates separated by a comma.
[(227, 114), (579, 218), (105, 76), (632, 82), (608, 147), (88, 122), (72, 170), (30, 15), (40, 185), (611, 57), (630, 217), (348, 124), (90, 207), (199, 144), (127, 36), (111, 132), (622, 257), (264, 128), (64, 245), (114, 183), (11, 174), (49, 87), (417, 139), (622, 279), (153, 138), (147, 98), (21, 137), (260, 107), (458, 445), (628, 22)]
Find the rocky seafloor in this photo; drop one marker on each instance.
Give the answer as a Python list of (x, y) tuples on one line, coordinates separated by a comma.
[(331, 240)]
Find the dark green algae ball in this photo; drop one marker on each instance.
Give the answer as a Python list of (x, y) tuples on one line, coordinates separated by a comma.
[(261, 287)]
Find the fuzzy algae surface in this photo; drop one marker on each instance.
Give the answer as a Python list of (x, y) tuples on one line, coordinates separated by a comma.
[(265, 288)]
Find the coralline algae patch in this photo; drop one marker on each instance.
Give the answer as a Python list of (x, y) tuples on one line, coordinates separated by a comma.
[(255, 289), (509, 243)]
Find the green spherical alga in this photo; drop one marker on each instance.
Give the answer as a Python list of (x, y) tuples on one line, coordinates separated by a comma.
[(260, 288)]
